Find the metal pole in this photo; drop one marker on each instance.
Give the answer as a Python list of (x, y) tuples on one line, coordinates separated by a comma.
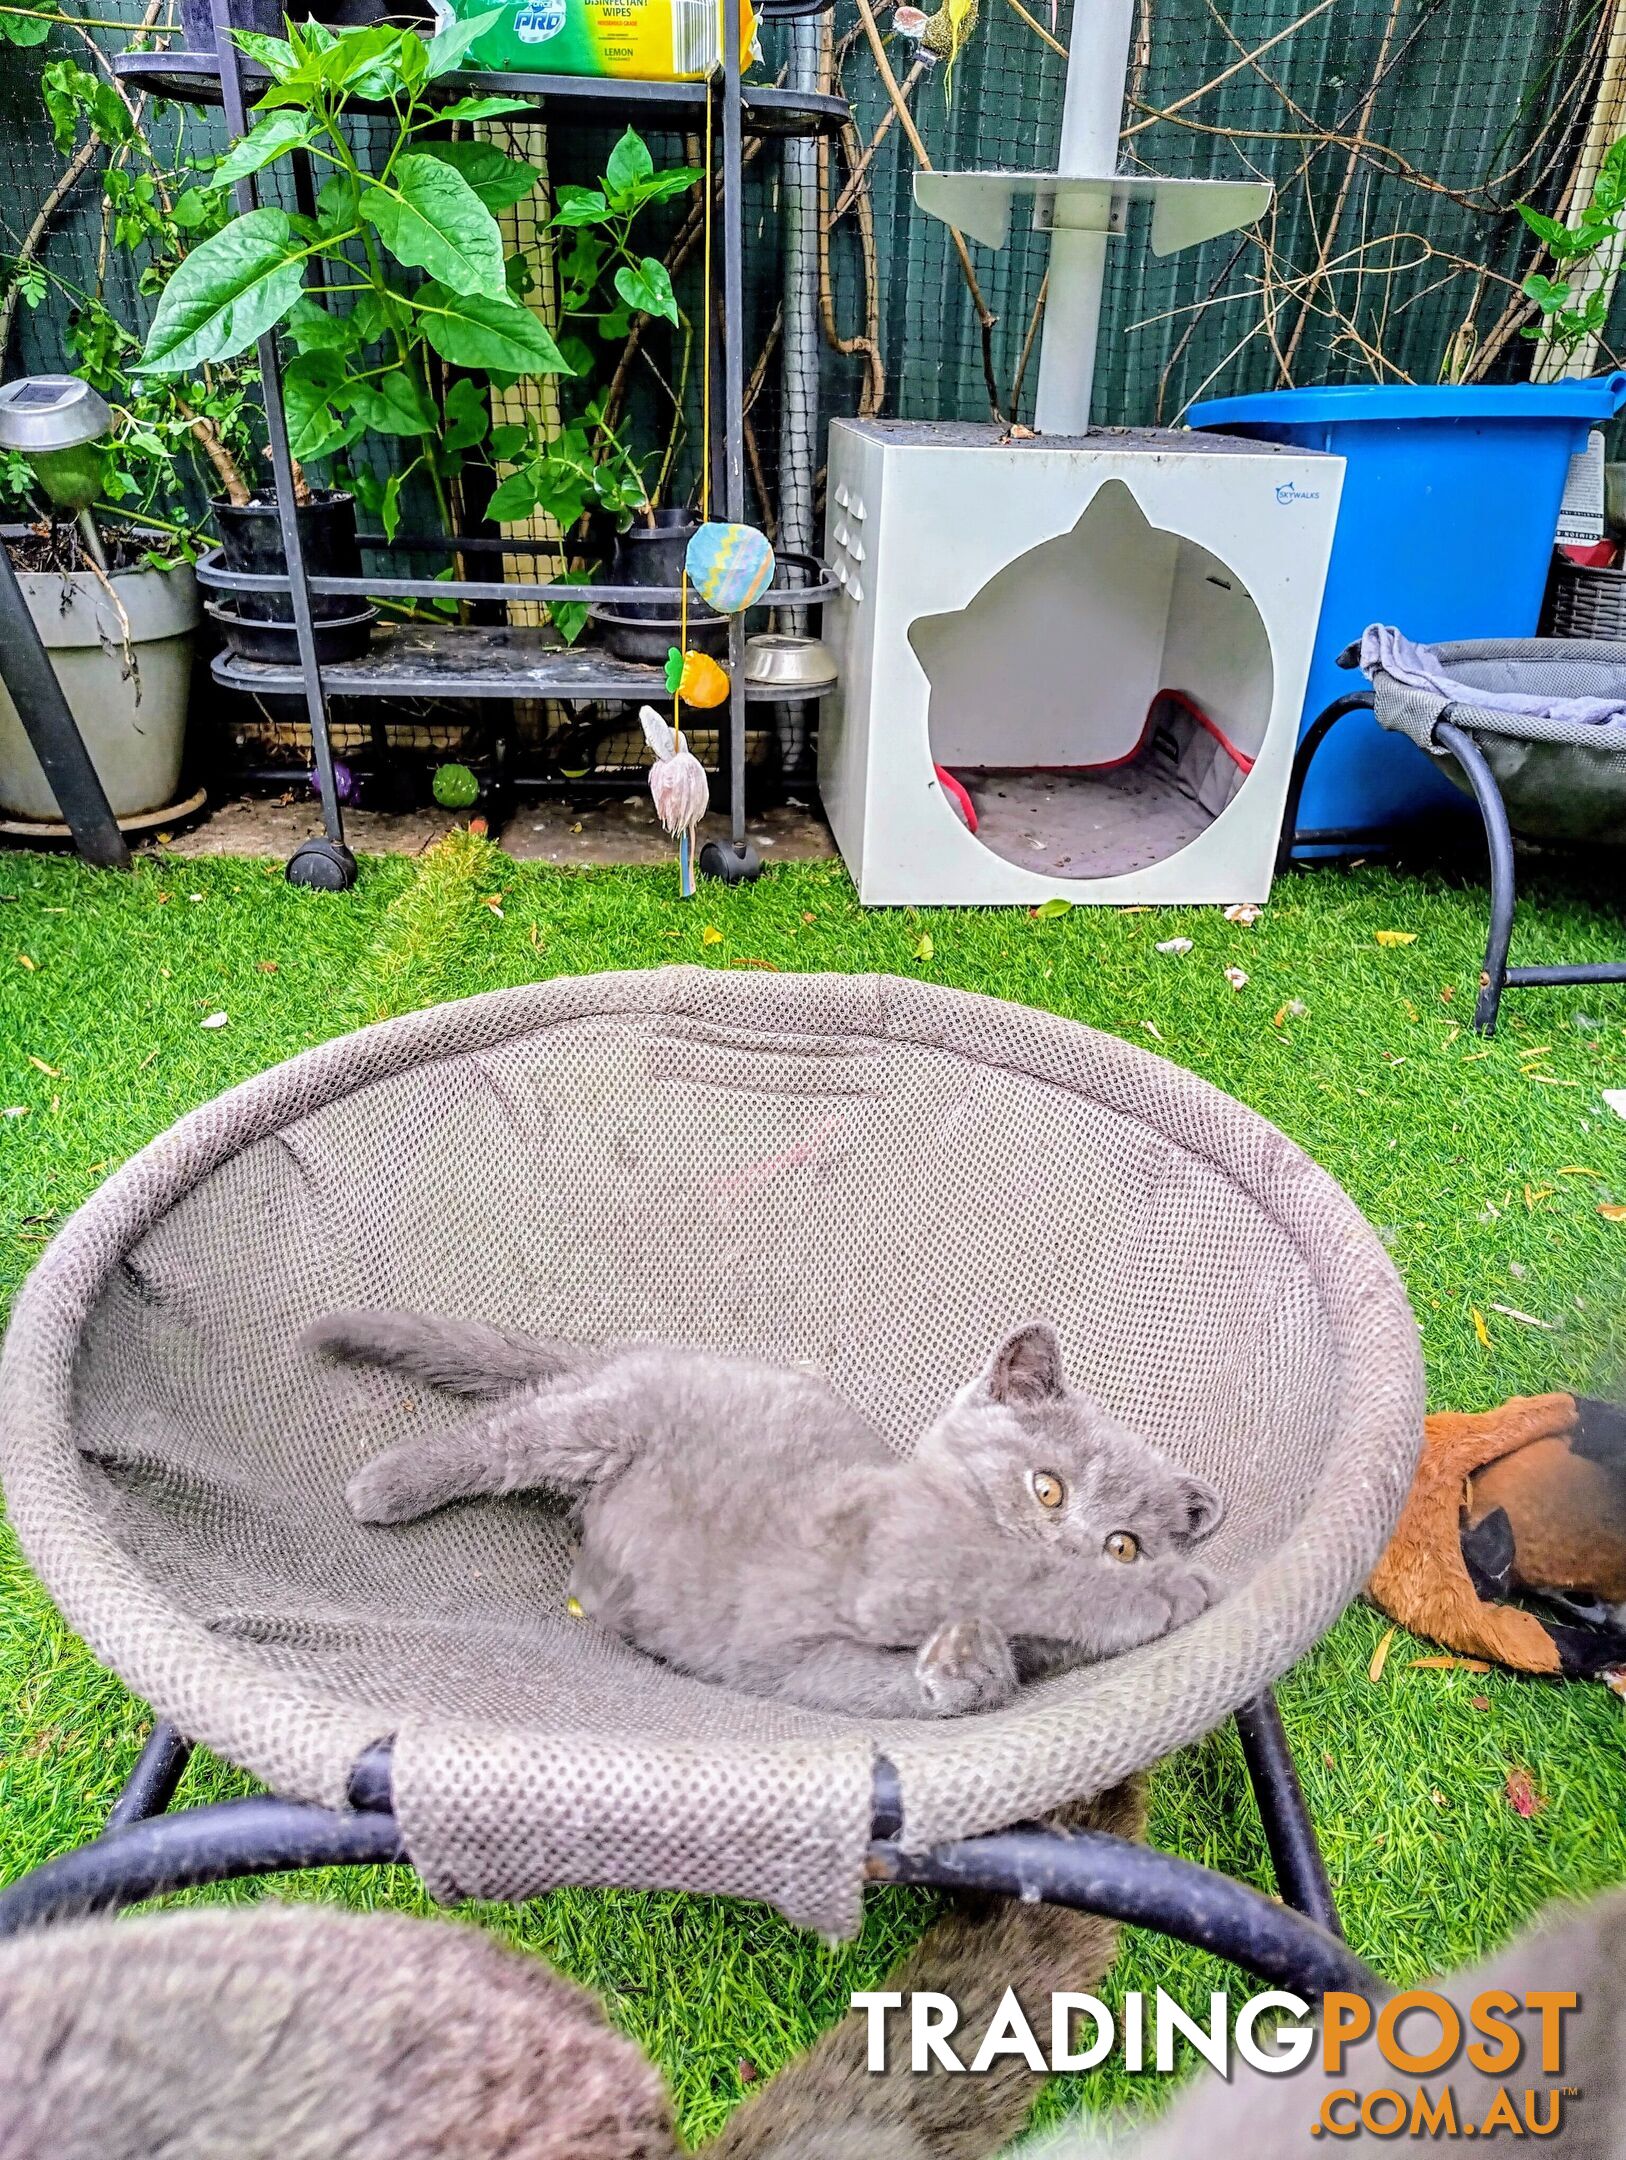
[(333, 866), (26, 671), (1097, 69)]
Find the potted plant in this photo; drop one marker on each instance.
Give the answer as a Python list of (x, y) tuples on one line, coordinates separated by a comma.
[(399, 299)]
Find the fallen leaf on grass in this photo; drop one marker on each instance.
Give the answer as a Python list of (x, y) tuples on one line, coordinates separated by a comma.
[(1574, 1170), (1480, 1328), (1534, 1196), (16, 1109), (1380, 1657), (1449, 1664), (1175, 945), (1612, 1211), (1395, 937), (711, 935), (1153, 1030), (1244, 912), (40, 1065), (1438, 1797), (267, 967), (214, 1020), (494, 902), (25, 962), (1522, 1796), (479, 827), (1479, 1702), (1046, 909), (924, 948), (1614, 1679), (1236, 978)]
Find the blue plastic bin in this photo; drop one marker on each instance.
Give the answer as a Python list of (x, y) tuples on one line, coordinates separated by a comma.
[(1445, 529)]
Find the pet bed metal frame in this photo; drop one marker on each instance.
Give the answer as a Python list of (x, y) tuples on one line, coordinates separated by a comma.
[(1496, 976), (1298, 1944)]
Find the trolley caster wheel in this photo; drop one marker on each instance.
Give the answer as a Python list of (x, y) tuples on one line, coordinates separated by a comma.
[(730, 862), (324, 865)]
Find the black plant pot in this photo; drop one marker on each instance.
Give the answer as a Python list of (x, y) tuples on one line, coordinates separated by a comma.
[(647, 629), (251, 542)]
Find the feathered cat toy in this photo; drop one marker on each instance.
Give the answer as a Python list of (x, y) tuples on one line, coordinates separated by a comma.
[(677, 781)]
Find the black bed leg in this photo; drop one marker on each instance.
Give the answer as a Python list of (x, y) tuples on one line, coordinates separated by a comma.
[(1499, 846), (152, 1783), (1301, 1875), (1314, 736)]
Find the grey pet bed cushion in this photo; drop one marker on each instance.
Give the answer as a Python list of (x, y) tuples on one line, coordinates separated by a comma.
[(1560, 779), (871, 1176)]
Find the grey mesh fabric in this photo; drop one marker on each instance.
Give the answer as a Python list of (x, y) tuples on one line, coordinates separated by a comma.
[(1560, 779), (870, 1175)]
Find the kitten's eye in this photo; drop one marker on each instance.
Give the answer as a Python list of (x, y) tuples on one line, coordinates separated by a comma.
[(1048, 1489), (1123, 1546)]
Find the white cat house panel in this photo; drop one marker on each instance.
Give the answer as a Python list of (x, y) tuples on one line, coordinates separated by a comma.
[(1102, 642)]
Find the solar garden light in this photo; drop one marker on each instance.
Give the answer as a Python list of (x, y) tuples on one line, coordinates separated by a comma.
[(55, 422)]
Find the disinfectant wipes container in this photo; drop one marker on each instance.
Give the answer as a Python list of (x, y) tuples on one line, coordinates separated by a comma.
[(1450, 503), (653, 40)]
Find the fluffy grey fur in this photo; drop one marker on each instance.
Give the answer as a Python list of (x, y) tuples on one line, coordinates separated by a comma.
[(741, 1522), (300, 2033)]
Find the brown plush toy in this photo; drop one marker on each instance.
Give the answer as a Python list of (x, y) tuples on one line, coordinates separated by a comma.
[(1527, 1500)]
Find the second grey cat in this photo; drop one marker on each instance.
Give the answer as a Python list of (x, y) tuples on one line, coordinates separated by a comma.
[(744, 1524)]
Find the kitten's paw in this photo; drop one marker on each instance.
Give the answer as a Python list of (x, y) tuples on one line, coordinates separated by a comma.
[(966, 1665), (1190, 1593), (385, 1491)]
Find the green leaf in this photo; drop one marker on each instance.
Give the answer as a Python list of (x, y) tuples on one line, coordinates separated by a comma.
[(663, 186), (24, 29), (431, 219), (337, 202), (647, 287), (570, 617), (1544, 292), (191, 208), (629, 165), (274, 54), (1546, 229), (270, 139), (481, 108), (1056, 906), (449, 46), (508, 440), (472, 330), (580, 206), (226, 293), (499, 181), (467, 419), (512, 499), (395, 404), (389, 507)]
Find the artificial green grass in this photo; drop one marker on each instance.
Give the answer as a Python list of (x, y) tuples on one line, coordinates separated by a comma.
[(1484, 1168)]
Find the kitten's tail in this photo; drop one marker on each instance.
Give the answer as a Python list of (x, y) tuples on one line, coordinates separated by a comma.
[(466, 1357), (831, 2106)]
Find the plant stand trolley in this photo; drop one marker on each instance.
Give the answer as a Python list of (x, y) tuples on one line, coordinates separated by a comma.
[(700, 1156), (496, 661)]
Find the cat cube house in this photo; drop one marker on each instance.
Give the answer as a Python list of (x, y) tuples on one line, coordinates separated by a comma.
[(1096, 644)]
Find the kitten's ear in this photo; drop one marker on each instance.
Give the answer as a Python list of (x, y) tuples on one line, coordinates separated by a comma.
[(1204, 1508), (1027, 1368)]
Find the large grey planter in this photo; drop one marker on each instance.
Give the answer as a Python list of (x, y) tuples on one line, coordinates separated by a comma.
[(134, 726)]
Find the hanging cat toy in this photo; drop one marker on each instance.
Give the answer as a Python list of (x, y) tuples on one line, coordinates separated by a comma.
[(730, 567)]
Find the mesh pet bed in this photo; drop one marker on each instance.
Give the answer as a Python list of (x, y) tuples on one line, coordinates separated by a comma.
[(870, 1175), (1549, 779)]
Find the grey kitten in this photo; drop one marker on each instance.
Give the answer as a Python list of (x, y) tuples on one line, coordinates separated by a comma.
[(741, 1522)]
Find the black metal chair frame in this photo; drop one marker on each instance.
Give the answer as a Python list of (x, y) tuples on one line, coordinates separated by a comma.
[(1296, 1944), (1496, 975)]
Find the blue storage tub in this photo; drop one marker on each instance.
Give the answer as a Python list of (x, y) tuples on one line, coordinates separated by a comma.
[(1445, 529)]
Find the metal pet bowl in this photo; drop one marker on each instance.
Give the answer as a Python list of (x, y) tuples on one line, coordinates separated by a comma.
[(778, 661)]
